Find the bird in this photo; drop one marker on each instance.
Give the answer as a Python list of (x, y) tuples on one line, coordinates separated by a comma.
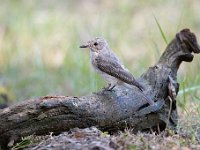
[(109, 66)]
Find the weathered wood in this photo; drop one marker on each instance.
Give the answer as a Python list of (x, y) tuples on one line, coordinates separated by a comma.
[(109, 111)]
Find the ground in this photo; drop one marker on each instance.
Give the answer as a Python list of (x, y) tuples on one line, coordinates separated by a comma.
[(92, 138)]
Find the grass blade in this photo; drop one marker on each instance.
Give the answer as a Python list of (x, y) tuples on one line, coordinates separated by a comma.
[(189, 89), (160, 29)]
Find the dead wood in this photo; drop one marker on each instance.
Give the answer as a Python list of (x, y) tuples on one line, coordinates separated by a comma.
[(109, 111)]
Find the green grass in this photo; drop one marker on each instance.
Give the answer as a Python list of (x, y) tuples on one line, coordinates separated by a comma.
[(161, 30), (39, 44)]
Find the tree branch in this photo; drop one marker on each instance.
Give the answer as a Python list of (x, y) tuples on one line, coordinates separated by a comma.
[(109, 111)]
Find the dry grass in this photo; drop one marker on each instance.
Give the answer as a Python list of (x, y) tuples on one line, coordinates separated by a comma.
[(92, 138)]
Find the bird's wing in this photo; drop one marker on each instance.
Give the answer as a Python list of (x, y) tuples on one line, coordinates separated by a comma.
[(113, 68)]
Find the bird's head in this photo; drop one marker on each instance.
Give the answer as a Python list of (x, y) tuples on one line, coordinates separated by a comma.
[(96, 45)]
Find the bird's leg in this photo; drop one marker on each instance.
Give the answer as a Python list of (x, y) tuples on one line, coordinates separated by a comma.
[(112, 87), (109, 87)]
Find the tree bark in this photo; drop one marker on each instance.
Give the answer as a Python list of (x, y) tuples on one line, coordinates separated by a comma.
[(108, 110)]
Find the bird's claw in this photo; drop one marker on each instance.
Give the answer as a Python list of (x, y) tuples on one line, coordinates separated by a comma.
[(109, 88)]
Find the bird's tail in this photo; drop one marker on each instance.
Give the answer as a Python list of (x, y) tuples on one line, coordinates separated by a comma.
[(142, 88), (139, 86), (149, 100)]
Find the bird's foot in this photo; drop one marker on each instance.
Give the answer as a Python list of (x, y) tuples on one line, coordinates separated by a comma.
[(109, 88)]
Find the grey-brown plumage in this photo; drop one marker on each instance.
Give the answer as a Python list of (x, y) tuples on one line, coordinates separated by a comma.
[(106, 63), (114, 69)]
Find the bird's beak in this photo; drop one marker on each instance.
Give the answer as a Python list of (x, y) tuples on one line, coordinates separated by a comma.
[(84, 46)]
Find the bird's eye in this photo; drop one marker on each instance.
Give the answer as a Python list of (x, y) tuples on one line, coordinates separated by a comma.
[(95, 44)]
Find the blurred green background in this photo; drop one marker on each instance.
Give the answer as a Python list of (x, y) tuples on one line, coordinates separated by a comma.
[(39, 43)]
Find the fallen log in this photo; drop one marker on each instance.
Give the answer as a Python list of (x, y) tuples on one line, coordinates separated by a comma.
[(108, 110)]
